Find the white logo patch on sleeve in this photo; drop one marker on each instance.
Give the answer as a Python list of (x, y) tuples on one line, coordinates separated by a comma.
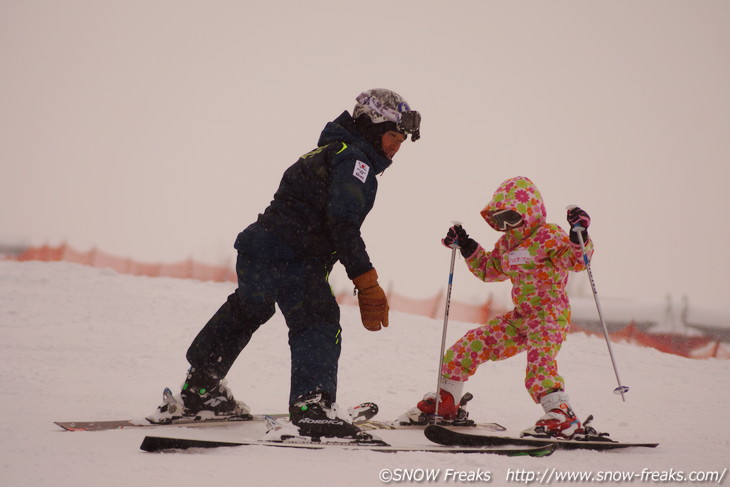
[(361, 171)]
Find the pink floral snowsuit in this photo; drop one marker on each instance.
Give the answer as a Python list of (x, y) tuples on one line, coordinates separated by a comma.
[(536, 257)]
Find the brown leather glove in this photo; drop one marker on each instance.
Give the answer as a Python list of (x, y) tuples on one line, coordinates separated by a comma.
[(372, 301)]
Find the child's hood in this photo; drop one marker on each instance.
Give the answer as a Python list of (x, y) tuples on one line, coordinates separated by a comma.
[(521, 195)]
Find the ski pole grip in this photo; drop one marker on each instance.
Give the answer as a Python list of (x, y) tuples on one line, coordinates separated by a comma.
[(577, 227), (456, 244)]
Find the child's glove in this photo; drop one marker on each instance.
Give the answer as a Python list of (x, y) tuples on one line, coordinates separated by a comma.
[(372, 301), (578, 217), (457, 236)]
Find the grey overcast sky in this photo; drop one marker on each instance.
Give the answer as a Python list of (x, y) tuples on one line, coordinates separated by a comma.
[(159, 129)]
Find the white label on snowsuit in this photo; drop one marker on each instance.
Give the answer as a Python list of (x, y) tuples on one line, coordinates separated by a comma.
[(519, 257), (361, 171)]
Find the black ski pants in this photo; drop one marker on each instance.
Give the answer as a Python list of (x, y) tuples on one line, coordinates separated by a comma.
[(269, 273)]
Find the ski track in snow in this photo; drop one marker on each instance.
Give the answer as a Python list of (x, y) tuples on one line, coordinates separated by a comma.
[(80, 343)]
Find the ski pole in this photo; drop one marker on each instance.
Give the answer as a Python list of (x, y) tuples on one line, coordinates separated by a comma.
[(454, 246), (621, 389)]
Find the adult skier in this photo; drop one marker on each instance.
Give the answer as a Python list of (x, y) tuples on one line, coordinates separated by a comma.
[(285, 258), (536, 257)]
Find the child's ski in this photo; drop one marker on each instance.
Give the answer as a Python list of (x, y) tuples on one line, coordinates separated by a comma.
[(445, 436)]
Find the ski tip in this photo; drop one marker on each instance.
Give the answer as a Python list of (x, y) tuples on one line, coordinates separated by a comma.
[(148, 445), (68, 426)]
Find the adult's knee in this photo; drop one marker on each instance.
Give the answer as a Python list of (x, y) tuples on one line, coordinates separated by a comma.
[(250, 313)]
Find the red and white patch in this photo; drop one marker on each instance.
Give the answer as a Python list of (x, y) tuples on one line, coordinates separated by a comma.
[(361, 171)]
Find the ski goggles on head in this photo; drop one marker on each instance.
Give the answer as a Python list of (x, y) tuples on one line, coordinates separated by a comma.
[(406, 120), (410, 123), (505, 219)]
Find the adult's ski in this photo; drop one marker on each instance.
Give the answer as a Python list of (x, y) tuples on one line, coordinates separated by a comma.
[(142, 423), (162, 444), (361, 412)]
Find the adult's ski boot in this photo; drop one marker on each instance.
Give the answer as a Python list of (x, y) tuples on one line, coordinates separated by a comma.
[(316, 416), (202, 398)]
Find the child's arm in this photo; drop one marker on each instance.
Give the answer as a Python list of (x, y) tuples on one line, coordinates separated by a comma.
[(487, 266), (569, 254)]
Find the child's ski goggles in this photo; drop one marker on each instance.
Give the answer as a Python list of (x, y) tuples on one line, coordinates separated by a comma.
[(505, 219)]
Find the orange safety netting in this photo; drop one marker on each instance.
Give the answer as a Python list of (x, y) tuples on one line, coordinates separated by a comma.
[(698, 347), (187, 269)]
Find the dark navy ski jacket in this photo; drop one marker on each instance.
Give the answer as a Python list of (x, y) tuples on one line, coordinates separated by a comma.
[(324, 197)]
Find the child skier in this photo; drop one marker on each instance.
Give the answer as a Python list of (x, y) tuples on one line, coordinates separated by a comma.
[(536, 256)]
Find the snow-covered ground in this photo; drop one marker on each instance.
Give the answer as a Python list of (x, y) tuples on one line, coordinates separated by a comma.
[(79, 343)]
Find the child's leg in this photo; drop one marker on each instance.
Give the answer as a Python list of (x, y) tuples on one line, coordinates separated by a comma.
[(545, 336), (497, 340)]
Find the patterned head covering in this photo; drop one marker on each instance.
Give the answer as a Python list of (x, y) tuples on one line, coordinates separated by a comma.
[(521, 195)]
